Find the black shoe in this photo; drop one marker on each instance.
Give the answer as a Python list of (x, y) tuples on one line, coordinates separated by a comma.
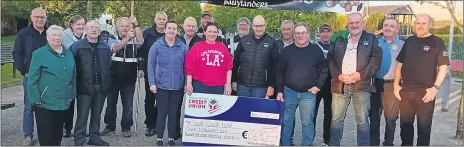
[(178, 137), (159, 143), (98, 143), (150, 132), (171, 143), (107, 132), (67, 133)]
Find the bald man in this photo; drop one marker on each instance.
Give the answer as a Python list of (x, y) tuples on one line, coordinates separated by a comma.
[(256, 56), (27, 41), (353, 62), (418, 61)]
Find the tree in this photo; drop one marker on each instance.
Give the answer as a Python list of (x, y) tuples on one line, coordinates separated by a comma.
[(59, 12), (373, 21)]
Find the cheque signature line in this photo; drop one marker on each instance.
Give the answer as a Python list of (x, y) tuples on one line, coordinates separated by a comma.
[(211, 126)]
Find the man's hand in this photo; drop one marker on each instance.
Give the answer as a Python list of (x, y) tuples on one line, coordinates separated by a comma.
[(140, 74), (130, 34), (314, 90), (188, 89), (396, 91), (280, 96), (153, 88), (346, 78), (234, 86), (133, 20), (430, 95), (25, 75), (227, 89), (270, 91), (356, 76)]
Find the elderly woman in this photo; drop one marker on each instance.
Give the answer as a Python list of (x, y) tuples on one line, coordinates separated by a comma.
[(209, 65), (74, 33), (51, 86), (166, 78)]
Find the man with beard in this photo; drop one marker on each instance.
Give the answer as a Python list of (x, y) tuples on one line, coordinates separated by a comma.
[(93, 63), (353, 62), (124, 75), (243, 28), (27, 41), (150, 35)]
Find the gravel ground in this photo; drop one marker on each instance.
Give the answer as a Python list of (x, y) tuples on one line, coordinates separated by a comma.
[(443, 128)]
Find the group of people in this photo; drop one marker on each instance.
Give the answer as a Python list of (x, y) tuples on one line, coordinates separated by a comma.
[(80, 65)]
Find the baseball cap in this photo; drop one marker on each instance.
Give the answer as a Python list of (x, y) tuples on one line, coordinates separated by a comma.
[(206, 13), (324, 26)]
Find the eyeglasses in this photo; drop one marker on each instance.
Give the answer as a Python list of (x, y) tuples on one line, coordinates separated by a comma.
[(259, 26), (300, 33), (39, 17)]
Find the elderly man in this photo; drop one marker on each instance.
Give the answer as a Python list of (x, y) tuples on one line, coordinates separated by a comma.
[(93, 63), (51, 87), (353, 62), (417, 66), (190, 36), (384, 98), (206, 17), (256, 56), (301, 73), (150, 35), (286, 27), (27, 41), (124, 75), (243, 28)]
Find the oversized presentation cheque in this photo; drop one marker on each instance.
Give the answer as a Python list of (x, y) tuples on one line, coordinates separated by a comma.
[(212, 119)]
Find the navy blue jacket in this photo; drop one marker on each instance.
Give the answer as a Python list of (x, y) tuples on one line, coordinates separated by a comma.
[(27, 41)]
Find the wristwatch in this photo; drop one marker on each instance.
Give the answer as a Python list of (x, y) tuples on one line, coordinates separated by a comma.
[(436, 87)]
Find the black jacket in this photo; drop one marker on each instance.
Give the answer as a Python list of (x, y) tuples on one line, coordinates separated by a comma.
[(255, 64), (369, 57), (150, 36), (194, 40), (83, 52), (27, 41)]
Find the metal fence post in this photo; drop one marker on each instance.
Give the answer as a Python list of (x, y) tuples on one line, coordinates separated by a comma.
[(445, 90)]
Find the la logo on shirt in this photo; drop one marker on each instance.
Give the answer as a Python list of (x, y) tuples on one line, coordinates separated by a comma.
[(212, 57)]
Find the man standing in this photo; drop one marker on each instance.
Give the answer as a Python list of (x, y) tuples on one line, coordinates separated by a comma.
[(243, 28), (256, 56), (353, 61), (93, 63), (301, 73), (417, 66), (27, 41), (150, 35), (384, 98), (325, 31), (286, 28), (124, 75), (190, 37), (206, 17)]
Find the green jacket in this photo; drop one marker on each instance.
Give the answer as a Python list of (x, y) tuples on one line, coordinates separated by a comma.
[(51, 80)]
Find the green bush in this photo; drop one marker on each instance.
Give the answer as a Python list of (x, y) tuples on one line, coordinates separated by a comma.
[(458, 46)]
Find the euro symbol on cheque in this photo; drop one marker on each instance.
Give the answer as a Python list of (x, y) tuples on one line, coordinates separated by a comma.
[(245, 134)]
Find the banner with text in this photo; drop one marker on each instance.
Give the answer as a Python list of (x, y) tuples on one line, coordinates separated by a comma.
[(342, 7), (231, 120)]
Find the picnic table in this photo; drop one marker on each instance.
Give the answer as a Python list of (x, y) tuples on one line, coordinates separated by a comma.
[(7, 57)]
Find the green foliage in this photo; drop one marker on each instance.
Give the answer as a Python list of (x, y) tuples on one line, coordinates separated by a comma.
[(373, 21), (458, 46), (445, 30), (59, 12)]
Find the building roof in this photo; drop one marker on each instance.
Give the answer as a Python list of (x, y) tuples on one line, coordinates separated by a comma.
[(405, 10)]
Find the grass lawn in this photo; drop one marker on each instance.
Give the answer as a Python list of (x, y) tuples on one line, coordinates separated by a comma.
[(8, 39), (457, 74), (7, 69)]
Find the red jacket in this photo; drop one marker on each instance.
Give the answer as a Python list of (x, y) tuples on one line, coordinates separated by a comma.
[(209, 63)]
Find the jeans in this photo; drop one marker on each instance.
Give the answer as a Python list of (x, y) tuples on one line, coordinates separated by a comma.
[(28, 114), (151, 112), (94, 105), (412, 105), (199, 87), (251, 91), (49, 126), (127, 98), (327, 96), (340, 103), (306, 101), (168, 101)]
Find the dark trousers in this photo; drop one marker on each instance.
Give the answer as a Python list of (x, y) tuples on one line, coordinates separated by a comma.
[(69, 117), (199, 87), (387, 101), (151, 112), (49, 126), (376, 111), (127, 98), (94, 105), (412, 105), (325, 94), (168, 101)]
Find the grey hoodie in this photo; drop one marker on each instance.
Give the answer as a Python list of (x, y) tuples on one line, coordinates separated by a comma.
[(69, 38)]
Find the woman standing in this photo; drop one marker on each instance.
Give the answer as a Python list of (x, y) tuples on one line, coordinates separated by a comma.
[(166, 78), (209, 65), (74, 33), (51, 87)]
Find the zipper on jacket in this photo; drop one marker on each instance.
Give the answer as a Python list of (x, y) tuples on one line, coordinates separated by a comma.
[(172, 69), (41, 95), (253, 63)]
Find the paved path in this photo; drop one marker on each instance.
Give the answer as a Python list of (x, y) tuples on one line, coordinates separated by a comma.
[(443, 128)]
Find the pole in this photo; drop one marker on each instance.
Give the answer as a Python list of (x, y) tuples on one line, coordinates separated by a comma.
[(445, 89), (132, 9), (89, 9), (460, 124)]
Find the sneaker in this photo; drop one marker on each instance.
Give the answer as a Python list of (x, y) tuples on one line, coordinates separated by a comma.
[(171, 142), (159, 142), (150, 132), (126, 133), (67, 133), (28, 141), (98, 143), (107, 132), (324, 144)]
